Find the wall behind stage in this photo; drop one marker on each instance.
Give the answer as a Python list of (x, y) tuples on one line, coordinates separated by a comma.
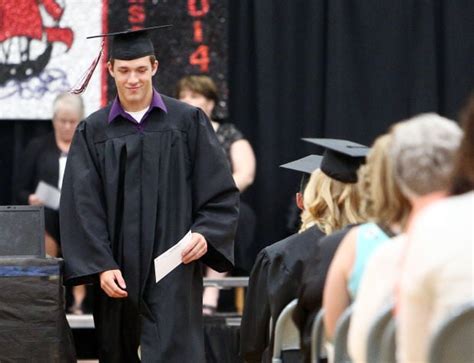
[(323, 68), (44, 50)]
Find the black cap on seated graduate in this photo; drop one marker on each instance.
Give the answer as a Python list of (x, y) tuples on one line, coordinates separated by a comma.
[(306, 165), (125, 45), (341, 158)]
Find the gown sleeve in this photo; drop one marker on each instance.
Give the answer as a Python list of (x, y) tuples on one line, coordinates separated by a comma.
[(85, 239), (215, 196), (254, 329)]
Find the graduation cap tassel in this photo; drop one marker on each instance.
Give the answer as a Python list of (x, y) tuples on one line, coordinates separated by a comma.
[(81, 85)]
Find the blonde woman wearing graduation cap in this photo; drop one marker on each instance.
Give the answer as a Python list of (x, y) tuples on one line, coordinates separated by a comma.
[(330, 200), (333, 203), (141, 173)]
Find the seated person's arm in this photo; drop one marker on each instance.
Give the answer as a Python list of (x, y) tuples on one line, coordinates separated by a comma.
[(243, 164), (336, 297)]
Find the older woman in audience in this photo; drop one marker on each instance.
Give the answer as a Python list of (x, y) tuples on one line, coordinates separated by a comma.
[(437, 267), (387, 210), (44, 160), (421, 156)]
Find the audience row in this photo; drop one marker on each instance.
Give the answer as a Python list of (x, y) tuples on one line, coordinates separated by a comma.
[(399, 234)]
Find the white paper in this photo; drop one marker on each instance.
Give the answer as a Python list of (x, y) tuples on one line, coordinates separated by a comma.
[(48, 194), (169, 260)]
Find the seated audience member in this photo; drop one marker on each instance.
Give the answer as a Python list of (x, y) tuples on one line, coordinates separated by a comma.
[(424, 145), (311, 288), (330, 202), (437, 268), (386, 210), (201, 91), (44, 160)]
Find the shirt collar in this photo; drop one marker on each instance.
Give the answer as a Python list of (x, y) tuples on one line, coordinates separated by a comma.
[(117, 109)]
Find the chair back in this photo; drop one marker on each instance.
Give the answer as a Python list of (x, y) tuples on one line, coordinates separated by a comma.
[(286, 333), (453, 340), (317, 337), (376, 332), (388, 347), (341, 354)]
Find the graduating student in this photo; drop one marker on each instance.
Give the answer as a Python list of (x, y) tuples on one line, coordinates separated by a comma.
[(141, 173), (275, 276), (341, 160), (328, 204)]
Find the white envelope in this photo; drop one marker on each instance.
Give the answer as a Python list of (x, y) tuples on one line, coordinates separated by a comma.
[(48, 194), (169, 260)]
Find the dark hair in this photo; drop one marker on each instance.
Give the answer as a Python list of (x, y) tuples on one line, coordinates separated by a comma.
[(201, 84), (152, 60), (463, 172)]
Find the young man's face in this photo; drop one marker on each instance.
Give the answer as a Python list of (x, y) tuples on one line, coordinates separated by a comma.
[(133, 79)]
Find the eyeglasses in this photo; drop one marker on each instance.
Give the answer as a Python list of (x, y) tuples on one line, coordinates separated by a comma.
[(66, 122)]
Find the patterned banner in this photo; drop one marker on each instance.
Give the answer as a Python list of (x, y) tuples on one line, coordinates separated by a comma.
[(44, 50)]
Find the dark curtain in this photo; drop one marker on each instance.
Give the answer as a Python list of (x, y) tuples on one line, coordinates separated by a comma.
[(14, 136), (341, 69), (322, 68)]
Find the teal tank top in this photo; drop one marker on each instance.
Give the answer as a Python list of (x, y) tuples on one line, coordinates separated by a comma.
[(369, 237)]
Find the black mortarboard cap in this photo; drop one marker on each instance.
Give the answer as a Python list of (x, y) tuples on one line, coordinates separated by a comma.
[(306, 165), (341, 158), (131, 44), (126, 45)]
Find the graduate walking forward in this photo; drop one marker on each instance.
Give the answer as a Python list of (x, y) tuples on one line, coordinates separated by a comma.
[(142, 172)]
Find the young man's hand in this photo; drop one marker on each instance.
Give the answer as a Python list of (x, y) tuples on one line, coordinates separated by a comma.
[(113, 284), (196, 248)]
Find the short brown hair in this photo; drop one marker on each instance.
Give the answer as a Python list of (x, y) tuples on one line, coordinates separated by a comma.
[(152, 60), (200, 84)]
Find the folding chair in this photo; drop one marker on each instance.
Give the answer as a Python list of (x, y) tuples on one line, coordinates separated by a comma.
[(317, 337), (388, 347), (341, 355), (453, 340), (286, 333), (376, 332)]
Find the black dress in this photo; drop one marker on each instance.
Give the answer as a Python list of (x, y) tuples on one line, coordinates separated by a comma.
[(273, 283), (245, 248), (130, 192), (310, 294), (40, 162)]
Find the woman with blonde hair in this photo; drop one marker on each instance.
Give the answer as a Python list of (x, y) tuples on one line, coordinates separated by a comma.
[(372, 176), (330, 201), (386, 210), (329, 204)]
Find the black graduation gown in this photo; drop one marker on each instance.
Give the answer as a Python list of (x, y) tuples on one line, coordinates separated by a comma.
[(273, 283), (130, 192), (39, 162), (310, 294)]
